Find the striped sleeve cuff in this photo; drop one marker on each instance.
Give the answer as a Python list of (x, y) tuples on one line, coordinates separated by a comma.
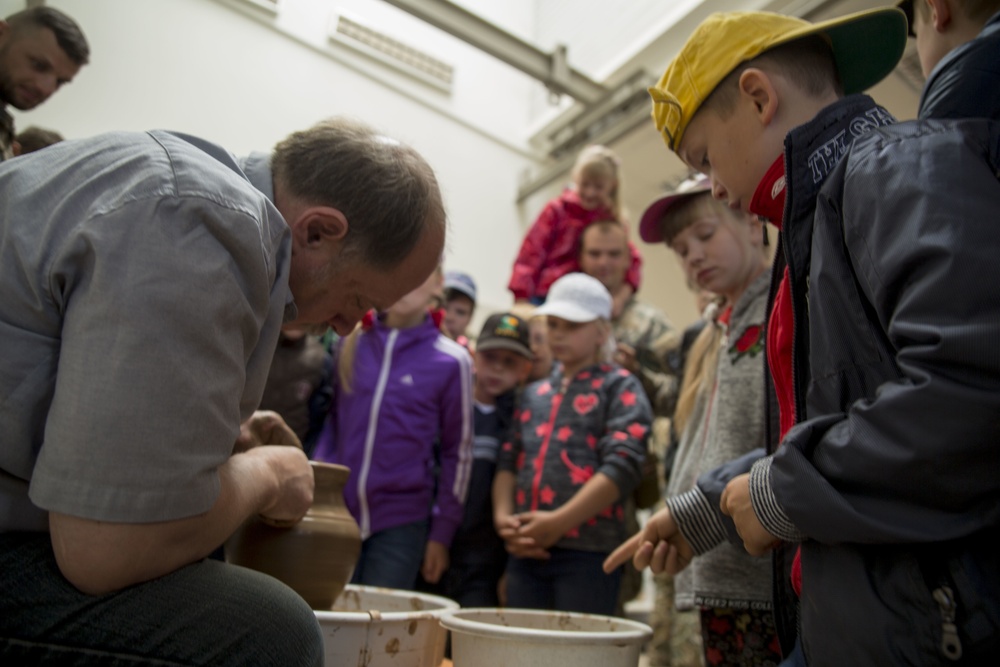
[(697, 519), (765, 505)]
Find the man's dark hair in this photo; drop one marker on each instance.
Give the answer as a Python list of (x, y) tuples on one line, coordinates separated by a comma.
[(603, 226), (384, 188), (68, 34)]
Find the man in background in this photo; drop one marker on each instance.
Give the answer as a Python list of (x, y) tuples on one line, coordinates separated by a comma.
[(41, 49)]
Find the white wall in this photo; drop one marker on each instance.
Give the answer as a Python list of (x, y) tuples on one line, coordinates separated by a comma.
[(200, 67), (204, 68)]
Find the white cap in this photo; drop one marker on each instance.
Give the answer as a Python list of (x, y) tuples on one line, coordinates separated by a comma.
[(577, 297)]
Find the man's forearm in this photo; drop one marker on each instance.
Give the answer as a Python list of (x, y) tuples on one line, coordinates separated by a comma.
[(99, 557)]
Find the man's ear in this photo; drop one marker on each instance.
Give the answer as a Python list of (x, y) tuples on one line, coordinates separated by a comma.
[(757, 88), (940, 13), (318, 225)]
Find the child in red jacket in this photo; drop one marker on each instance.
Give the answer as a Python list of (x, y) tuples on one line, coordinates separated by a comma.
[(551, 247)]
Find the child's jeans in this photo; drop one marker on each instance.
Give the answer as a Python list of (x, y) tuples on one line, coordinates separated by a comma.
[(571, 580), (392, 557)]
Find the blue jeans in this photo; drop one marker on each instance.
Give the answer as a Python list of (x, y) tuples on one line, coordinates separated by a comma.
[(207, 613), (392, 557), (571, 580)]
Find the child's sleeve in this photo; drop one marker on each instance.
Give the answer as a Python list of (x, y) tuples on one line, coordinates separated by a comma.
[(634, 275), (535, 250), (456, 427), (622, 448), (697, 512)]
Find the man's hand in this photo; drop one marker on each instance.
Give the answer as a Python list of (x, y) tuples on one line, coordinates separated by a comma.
[(736, 503), (436, 561), (659, 546), (265, 428), (100, 557), (295, 484)]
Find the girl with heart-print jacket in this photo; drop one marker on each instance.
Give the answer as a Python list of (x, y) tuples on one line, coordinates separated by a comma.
[(563, 435)]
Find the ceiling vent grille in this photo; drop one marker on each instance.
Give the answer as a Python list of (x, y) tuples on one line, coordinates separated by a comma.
[(393, 52)]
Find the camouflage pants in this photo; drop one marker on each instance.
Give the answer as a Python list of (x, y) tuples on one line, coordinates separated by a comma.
[(676, 638)]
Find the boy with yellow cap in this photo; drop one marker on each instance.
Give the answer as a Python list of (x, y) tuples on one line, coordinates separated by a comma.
[(878, 496)]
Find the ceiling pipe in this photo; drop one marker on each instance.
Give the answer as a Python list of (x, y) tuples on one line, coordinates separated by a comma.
[(552, 69)]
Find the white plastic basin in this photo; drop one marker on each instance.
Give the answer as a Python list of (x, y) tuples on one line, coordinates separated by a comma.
[(382, 627), (528, 638)]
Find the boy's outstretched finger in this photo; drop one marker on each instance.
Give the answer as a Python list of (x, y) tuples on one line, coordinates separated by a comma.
[(622, 554)]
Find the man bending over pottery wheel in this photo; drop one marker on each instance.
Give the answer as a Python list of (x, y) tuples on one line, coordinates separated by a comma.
[(145, 279)]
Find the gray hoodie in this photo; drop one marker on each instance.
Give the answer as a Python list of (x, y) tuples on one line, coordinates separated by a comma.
[(727, 422)]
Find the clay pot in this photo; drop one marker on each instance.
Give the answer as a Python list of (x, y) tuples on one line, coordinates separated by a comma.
[(316, 556)]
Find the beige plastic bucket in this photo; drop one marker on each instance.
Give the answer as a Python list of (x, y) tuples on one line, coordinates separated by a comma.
[(379, 627), (526, 638)]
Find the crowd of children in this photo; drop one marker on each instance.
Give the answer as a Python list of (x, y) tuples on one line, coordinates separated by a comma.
[(503, 468)]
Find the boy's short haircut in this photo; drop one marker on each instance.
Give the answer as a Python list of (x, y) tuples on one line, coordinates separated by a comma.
[(506, 331), (866, 47), (976, 10), (808, 63)]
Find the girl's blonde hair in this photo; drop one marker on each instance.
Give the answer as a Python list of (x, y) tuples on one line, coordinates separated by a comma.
[(703, 358), (601, 162), (686, 212), (345, 358), (699, 368)]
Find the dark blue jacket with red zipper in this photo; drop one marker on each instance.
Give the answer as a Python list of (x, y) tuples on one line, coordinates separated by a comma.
[(891, 475)]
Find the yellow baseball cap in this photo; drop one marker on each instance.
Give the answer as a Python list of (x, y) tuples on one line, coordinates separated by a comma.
[(866, 47)]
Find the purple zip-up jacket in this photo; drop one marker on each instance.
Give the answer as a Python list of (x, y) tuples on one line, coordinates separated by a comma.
[(410, 388)]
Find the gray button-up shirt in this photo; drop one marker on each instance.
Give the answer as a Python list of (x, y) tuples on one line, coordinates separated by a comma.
[(143, 282)]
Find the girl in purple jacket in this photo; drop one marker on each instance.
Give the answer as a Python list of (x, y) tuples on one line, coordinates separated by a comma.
[(401, 387)]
